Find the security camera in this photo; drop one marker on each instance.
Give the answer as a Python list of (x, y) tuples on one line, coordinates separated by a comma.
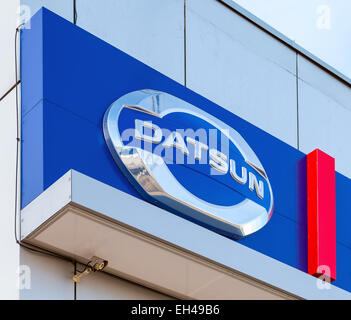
[(95, 264), (98, 264)]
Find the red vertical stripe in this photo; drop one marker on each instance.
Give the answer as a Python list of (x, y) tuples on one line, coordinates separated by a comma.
[(321, 234)]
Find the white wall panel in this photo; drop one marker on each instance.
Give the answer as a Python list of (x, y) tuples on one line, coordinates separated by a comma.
[(325, 114), (8, 24), (241, 68), (244, 32), (149, 30), (324, 82), (64, 8), (9, 250), (103, 286), (50, 277), (324, 124)]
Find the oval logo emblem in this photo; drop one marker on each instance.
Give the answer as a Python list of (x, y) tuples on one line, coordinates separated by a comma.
[(185, 160)]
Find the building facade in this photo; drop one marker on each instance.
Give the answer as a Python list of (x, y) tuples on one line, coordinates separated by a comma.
[(215, 49)]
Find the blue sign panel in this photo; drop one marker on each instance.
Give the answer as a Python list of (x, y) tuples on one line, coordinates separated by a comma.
[(69, 82)]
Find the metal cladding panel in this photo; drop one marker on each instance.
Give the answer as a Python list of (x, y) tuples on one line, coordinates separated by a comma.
[(325, 122), (32, 65), (63, 7), (83, 76), (324, 82), (156, 35), (321, 214), (242, 68)]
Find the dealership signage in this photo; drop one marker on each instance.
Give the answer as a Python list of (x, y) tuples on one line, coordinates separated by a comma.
[(179, 151), (187, 161)]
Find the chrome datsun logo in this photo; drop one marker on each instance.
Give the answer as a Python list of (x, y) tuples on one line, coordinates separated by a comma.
[(185, 160)]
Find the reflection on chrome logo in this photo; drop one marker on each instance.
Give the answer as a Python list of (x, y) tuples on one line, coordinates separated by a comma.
[(186, 161)]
